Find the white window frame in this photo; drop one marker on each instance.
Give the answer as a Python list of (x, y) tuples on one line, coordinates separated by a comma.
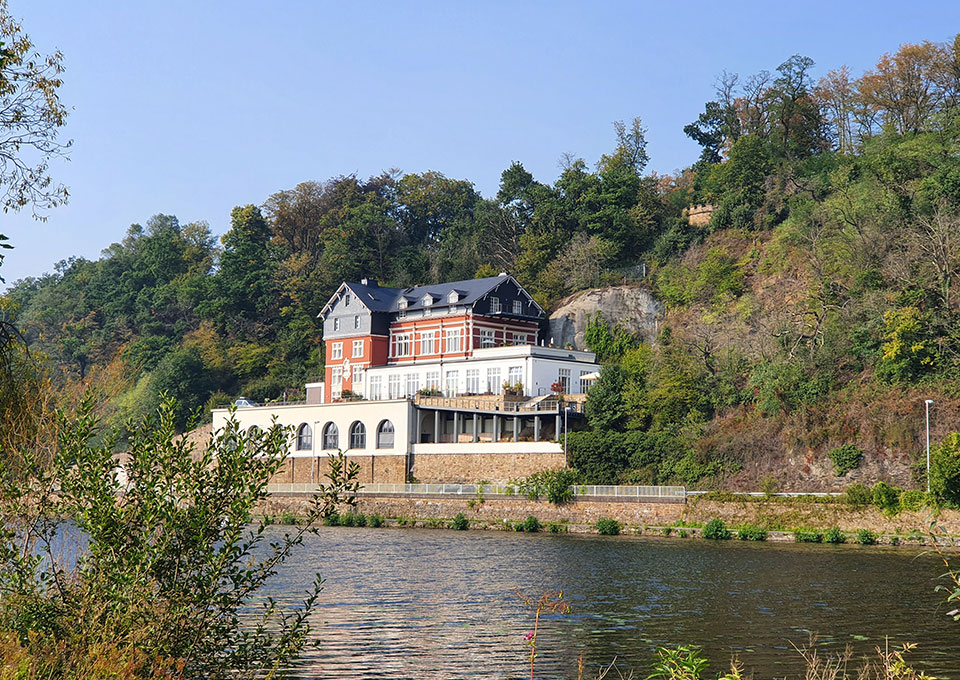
[(356, 321), (411, 384), (563, 375), (376, 387), (336, 350), (493, 380), (403, 344), (487, 338), (433, 380), (518, 307), (453, 297), (514, 374), (336, 324), (393, 386), (357, 349), (452, 383), (428, 342), (453, 340), (473, 380), (495, 305)]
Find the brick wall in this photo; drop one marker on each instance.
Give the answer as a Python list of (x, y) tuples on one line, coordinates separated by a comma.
[(466, 468), (373, 470)]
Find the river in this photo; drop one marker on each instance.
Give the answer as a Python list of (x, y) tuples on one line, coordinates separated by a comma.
[(420, 603)]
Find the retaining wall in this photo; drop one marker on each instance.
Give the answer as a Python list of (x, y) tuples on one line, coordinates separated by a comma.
[(465, 468), (373, 470)]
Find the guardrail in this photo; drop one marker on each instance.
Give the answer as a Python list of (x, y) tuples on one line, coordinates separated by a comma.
[(582, 490)]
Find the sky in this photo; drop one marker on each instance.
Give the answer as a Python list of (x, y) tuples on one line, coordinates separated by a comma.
[(191, 108)]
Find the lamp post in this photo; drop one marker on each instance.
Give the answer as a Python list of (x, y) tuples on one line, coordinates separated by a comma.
[(928, 402), (566, 409)]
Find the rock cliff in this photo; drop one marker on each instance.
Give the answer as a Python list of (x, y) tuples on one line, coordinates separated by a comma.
[(633, 308)]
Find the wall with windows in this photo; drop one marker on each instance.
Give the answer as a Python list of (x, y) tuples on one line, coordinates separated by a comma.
[(357, 428)]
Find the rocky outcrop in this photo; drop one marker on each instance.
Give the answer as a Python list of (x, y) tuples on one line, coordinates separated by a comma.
[(633, 308)]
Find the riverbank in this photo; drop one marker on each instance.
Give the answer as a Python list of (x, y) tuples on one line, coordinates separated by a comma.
[(775, 519)]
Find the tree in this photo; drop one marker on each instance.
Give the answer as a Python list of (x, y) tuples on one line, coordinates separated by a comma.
[(171, 570), (945, 470), (31, 116)]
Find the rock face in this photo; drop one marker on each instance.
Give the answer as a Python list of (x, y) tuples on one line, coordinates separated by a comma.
[(633, 308)]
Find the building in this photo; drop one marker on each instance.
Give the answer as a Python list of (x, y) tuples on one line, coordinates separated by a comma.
[(417, 378)]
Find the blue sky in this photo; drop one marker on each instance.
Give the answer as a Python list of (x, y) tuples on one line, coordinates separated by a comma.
[(190, 108)]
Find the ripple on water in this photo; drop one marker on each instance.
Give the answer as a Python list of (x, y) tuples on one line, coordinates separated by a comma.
[(403, 603)]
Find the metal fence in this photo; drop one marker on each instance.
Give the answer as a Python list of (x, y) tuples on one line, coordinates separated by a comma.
[(581, 490)]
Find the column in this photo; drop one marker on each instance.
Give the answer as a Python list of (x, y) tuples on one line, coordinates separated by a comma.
[(496, 428), (516, 428), (436, 426), (475, 432), (536, 428), (456, 426)]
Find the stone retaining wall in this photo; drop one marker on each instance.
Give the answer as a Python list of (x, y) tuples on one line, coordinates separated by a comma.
[(467, 468), (373, 470), (514, 509)]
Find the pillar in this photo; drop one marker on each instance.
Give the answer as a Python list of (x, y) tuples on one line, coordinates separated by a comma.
[(496, 428), (436, 426), (476, 436), (536, 428), (516, 428)]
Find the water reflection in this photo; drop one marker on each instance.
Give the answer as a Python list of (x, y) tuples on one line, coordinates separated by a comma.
[(402, 603)]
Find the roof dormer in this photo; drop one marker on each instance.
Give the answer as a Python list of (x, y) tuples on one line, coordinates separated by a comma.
[(426, 300), (453, 297)]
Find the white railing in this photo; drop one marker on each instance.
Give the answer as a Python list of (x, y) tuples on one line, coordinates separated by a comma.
[(583, 490)]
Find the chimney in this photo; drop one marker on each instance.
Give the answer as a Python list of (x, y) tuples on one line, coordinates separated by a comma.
[(364, 282)]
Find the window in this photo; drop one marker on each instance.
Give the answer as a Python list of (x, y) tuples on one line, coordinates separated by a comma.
[(385, 435), (393, 387), (453, 296), (346, 300), (403, 308), (514, 374), (453, 340), (376, 387), (413, 383), (357, 348), (428, 342), (357, 379), (433, 380), (518, 307), (304, 438), (564, 378), (493, 380), (358, 436), (336, 324), (473, 380), (486, 338), (331, 436), (585, 382), (427, 300), (336, 350), (336, 375), (494, 305), (453, 383), (403, 345), (356, 321)]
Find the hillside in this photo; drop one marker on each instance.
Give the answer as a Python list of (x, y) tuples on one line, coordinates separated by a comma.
[(809, 300)]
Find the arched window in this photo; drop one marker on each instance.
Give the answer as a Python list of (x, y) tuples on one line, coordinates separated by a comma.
[(358, 436), (304, 438), (331, 436), (385, 435)]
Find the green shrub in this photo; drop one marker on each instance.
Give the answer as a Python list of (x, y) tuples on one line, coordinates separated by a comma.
[(858, 495), (751, 532), (375, 521), (518, 526), (886, 497), (331, 520), (360, 520), (557, 527), (845, 458), (866, 537), (556, 485), (716, 530), (348, 519), (531, 524), (460, 522), (835, 536), (288, 518), (807, 536), (681, 533), (945, 470), (912, 500), (608, 527)]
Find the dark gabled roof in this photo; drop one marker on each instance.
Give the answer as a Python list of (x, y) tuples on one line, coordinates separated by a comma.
[(469, 292), (382, 299)]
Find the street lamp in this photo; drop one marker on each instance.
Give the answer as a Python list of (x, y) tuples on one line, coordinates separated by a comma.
[(928, 402)]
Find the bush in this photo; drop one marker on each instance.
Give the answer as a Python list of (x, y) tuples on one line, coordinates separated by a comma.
[(835, 536), (858, 495), (460, 522), (347, 519), (557, 527), (750, 532), (360, 520), (845, 458), (886, 497), (945, 470), (375, 521), (554, 484), (716, 530), (912, 500), (331, 520), (866, 537), (531, 524), (288, 518), (169, 573), (608, 527), (808, 536)]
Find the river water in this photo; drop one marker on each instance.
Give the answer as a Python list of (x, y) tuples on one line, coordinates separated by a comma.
[(420, 603)]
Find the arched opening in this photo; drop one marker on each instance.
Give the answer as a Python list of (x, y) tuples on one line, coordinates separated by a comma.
[(358, 436), (385, 435), (331, 436), (304, 438)]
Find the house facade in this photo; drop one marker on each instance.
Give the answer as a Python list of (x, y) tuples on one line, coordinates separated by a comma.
[(423, 374)]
